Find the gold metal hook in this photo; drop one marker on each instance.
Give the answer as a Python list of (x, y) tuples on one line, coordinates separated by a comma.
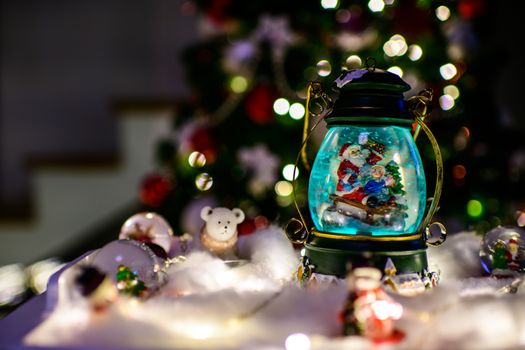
[(299, 233), (419, 106), (370, 64)]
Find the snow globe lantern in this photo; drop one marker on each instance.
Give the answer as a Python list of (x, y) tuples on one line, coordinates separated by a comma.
[(367, 187)]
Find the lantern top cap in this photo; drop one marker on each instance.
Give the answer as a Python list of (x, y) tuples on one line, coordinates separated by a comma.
[(371, 79), (370, 96)]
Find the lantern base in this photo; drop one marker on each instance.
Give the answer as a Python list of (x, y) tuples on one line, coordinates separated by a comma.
[(332, 253)]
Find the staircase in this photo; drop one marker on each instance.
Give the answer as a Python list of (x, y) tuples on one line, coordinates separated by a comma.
[(70, 200)]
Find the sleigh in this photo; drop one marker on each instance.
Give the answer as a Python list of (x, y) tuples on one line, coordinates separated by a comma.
[(372, 216)]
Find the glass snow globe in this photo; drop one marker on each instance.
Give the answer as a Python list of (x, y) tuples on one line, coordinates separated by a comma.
[(368, 180)]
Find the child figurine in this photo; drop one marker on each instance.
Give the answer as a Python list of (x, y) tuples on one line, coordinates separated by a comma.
[(376, 188), (219, 234)]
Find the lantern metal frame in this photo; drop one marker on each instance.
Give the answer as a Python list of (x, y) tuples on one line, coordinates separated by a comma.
[(331, 253)]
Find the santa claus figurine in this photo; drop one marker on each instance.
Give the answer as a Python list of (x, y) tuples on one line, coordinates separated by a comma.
[(513, 254), (369, 310), (353, 157)]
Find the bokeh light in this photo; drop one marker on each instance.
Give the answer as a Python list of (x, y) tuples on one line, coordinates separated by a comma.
[(448, 71), (329, 4), (396, 70), (297, 111), (12, 283), (281, 106), (415, 52), (283, 188), (297, 341), (288, 172), (443, 13), (353, 61), (203, 182), (474, 208), (446, 102), (395, 46), (324, 68), (343, 16), (459, 172), (521, 219), (197, 159), (40, 272), (239, 84), (461, 139), (376, 5), (452, 91)]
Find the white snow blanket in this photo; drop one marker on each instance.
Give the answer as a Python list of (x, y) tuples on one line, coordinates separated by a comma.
[(209, 305)]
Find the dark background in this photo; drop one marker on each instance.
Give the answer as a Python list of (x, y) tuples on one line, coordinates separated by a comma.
[(64, 64)]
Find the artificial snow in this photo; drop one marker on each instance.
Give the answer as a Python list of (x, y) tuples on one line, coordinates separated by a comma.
[(208, 304)]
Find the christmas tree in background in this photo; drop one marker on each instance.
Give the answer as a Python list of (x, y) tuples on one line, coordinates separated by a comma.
[(236, 139)]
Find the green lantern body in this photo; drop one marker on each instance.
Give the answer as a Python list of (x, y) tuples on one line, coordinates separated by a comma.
[(367, 188)]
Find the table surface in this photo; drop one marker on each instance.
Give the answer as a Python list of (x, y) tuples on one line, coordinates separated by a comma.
[(15, 326)]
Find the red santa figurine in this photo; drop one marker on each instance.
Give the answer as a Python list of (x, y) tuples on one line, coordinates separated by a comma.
[(369, 310), (512, 254), (353, 157)]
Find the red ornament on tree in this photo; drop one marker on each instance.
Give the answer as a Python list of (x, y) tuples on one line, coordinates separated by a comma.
[(154, 189), (203, 141), (217, 11), (248, 226), (259, 104), (470, 9), (411, 20)]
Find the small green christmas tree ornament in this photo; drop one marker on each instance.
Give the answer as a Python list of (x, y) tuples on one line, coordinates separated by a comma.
[(500, 256), (129, 283)]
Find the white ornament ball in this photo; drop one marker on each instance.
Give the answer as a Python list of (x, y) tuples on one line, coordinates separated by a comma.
[(148, 227), (135, 255)]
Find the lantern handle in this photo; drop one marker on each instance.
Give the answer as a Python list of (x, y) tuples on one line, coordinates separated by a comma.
[(325, 103), (301, 228), (437, 190)]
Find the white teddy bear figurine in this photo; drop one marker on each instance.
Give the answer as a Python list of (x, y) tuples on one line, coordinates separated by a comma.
[(219, 234)]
